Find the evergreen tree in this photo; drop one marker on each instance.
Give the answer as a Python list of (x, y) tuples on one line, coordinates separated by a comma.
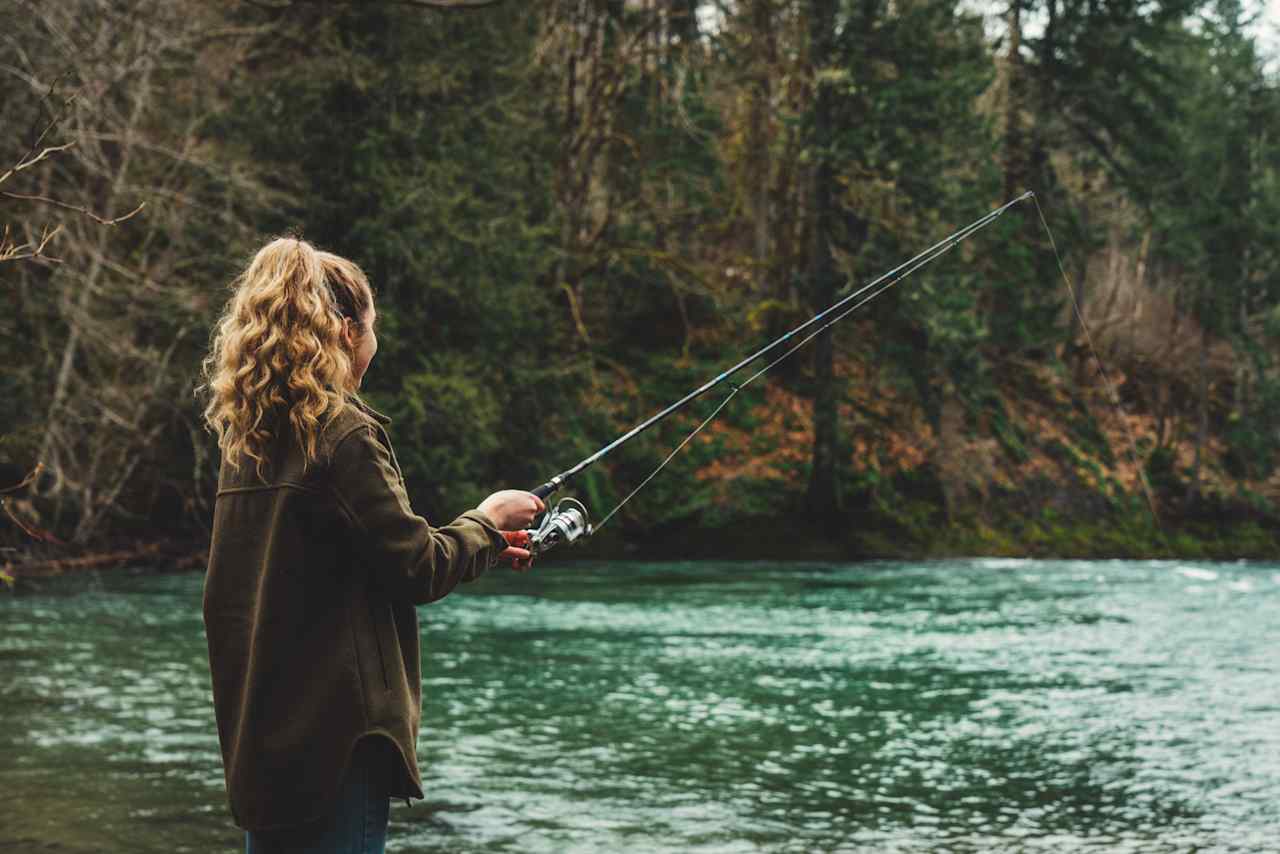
[(1214, 203), (418, 148)]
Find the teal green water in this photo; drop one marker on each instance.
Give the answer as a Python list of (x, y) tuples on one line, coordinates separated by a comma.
[(711, 707)]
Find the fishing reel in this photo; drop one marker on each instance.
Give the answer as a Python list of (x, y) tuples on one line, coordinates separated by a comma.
[(561, 525)]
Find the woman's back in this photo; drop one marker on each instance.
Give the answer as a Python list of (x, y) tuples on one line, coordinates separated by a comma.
[(317, 559)]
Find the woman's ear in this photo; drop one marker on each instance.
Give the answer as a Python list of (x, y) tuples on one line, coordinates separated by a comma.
[(348, 333)]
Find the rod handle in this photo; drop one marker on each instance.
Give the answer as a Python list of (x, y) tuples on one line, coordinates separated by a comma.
[(545, 490)]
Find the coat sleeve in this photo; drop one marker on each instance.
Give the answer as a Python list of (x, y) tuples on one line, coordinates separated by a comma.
[(408, 557)]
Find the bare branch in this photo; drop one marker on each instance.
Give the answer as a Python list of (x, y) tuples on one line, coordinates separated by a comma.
[(450, 5), (80, 210), (26, 481), (26, 527), (11, 251), (32, 161), (31, 157)]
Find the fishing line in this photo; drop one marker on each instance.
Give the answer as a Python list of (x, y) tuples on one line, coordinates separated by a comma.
[(567, 521), (1102, 371), (671, 456), (884, 283), (889, 278), (872, 290)]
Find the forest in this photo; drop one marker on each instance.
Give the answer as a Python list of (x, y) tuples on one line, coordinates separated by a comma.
[(575, 211)]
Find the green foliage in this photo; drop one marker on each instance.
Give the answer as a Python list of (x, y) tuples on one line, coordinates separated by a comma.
[(1086, 430), (911, 156), (1012, 438), (449, 426), (1162, 472), (423, 140), (553, 202), (1253, 446)]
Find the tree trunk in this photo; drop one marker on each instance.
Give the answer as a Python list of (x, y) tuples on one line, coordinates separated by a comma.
[(757, 159), (823, 495), (1202, 419), (1015, 155)]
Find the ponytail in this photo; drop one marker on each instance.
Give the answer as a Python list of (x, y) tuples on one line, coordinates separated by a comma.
[(277, 351)]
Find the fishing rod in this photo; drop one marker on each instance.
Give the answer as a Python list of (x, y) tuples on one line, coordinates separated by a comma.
[(568, 521)]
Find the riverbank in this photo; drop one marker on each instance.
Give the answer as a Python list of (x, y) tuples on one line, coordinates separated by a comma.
[(1227, 533), (19, 564), (1129, 539)]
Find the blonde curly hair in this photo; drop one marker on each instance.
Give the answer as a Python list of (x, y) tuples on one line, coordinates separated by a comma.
[(278, 350)]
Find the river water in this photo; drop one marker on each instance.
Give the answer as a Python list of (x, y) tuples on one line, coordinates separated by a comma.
[(974, 705)]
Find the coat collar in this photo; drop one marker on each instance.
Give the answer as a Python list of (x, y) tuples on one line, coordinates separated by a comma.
[(370, 411)]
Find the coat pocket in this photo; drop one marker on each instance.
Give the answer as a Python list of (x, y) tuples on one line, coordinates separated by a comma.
[(378, 614)]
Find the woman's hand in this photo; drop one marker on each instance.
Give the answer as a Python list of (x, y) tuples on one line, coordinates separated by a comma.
[(511, 509), (517, 550)]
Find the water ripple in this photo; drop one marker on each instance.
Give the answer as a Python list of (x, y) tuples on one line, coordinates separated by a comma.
[(1011, 705)]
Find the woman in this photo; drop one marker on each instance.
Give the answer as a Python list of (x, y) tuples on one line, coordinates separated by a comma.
[(317, 562)]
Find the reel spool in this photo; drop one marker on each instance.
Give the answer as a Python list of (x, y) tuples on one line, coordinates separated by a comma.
[(563, 524)]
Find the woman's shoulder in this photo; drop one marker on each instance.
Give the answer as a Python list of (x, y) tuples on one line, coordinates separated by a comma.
[(354, 416)]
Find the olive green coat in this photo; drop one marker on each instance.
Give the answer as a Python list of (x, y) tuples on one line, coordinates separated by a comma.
[(309, 614)]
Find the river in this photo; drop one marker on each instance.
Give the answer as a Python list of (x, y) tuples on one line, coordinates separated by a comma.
[(971, 705)]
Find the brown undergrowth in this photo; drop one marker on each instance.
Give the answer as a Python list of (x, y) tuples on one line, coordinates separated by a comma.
[(1051, 444)]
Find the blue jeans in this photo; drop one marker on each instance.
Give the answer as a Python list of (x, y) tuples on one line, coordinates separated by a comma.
[(358, 824)]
